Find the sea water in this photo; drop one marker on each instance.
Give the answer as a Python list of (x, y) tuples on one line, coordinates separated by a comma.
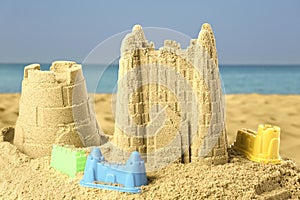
[(236, 79)]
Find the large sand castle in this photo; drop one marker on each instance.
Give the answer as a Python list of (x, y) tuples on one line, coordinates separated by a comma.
[(169, 103), (54, 108)]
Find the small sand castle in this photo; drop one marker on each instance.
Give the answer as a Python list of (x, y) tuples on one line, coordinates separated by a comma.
[(169, 102), (54, 108)]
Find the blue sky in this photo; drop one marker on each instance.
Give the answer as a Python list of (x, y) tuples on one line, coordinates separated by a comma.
[(247, 32)]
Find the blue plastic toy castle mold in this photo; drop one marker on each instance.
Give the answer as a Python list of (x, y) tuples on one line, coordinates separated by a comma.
[(126, 177)]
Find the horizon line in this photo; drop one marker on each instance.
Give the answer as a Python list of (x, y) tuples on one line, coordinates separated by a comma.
[(94, 63)]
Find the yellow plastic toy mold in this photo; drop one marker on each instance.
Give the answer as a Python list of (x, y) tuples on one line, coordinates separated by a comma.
[(260, 146)]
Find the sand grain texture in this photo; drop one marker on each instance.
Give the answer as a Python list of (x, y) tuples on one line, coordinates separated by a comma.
[(24, 178)]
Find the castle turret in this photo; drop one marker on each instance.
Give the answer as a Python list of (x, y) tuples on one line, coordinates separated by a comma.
[(54, 108)]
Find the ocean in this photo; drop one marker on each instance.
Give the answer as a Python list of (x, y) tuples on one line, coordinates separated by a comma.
[(236, 79)]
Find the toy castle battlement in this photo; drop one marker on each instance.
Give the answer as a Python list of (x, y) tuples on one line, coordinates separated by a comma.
[(68, 150), (260, 146), (169, 102), (130, 175), (54, 108)]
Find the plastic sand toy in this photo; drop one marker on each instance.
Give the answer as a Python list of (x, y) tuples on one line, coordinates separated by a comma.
[(67, 160), (127, 177), (260, 146)]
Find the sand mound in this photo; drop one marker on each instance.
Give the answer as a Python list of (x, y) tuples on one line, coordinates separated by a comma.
[(24, 178)]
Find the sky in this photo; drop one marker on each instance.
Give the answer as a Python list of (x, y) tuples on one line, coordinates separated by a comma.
[(247, 32)]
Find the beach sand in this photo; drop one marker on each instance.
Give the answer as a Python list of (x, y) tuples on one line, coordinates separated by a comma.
[(22, 178)]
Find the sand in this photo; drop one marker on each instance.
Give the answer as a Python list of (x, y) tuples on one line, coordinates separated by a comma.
[(24, 178)]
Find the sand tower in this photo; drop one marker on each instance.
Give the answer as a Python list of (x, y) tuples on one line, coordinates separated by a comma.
[(169, 103), (54, 108)]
